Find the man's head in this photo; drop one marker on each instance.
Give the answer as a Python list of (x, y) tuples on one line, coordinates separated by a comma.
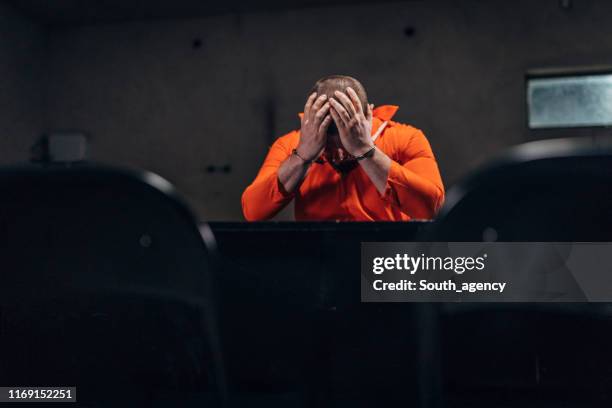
[(332, 83), (334, 150)]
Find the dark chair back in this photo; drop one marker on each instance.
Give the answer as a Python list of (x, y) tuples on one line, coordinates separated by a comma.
[(106, 284), (554, 190)]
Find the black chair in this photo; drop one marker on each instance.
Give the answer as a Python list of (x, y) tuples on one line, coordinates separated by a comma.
[(106, 285), (554, 190), (528, 354)]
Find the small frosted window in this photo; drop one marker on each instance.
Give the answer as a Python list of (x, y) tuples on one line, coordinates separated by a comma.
[(571, 101)]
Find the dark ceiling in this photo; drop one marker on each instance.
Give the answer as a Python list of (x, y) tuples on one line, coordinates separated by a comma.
[(80, 12)]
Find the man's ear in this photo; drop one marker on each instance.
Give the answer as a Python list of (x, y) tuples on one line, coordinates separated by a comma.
[(369, 114)]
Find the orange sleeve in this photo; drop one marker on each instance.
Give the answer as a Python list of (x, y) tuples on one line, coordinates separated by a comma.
[(414, 183), (265, 197)]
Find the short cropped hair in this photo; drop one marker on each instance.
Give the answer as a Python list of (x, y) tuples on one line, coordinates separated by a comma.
[(329, 84)]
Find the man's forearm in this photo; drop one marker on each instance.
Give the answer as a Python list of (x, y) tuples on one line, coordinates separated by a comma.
[(377, 168), (292, 172)]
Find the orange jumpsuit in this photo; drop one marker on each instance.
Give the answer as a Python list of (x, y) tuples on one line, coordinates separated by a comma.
[(414, 187)]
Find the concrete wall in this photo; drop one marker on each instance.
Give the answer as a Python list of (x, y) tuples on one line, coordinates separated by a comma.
[(22, 45), (150, 99)]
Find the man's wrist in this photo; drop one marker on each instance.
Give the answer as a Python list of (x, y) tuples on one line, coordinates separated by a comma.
[(366, 154), (305, 160)]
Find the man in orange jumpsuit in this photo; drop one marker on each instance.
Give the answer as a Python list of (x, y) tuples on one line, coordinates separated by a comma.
[(348, 162)]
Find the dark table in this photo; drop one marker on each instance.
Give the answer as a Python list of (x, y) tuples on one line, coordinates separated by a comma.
[(293, 291)]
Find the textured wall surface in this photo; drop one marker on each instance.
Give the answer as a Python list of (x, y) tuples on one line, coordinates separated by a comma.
[(179, 97), (22, 45)]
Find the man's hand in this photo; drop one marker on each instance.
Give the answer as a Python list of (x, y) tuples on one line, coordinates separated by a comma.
[(354, 127), (313, 136), (313, 133)]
